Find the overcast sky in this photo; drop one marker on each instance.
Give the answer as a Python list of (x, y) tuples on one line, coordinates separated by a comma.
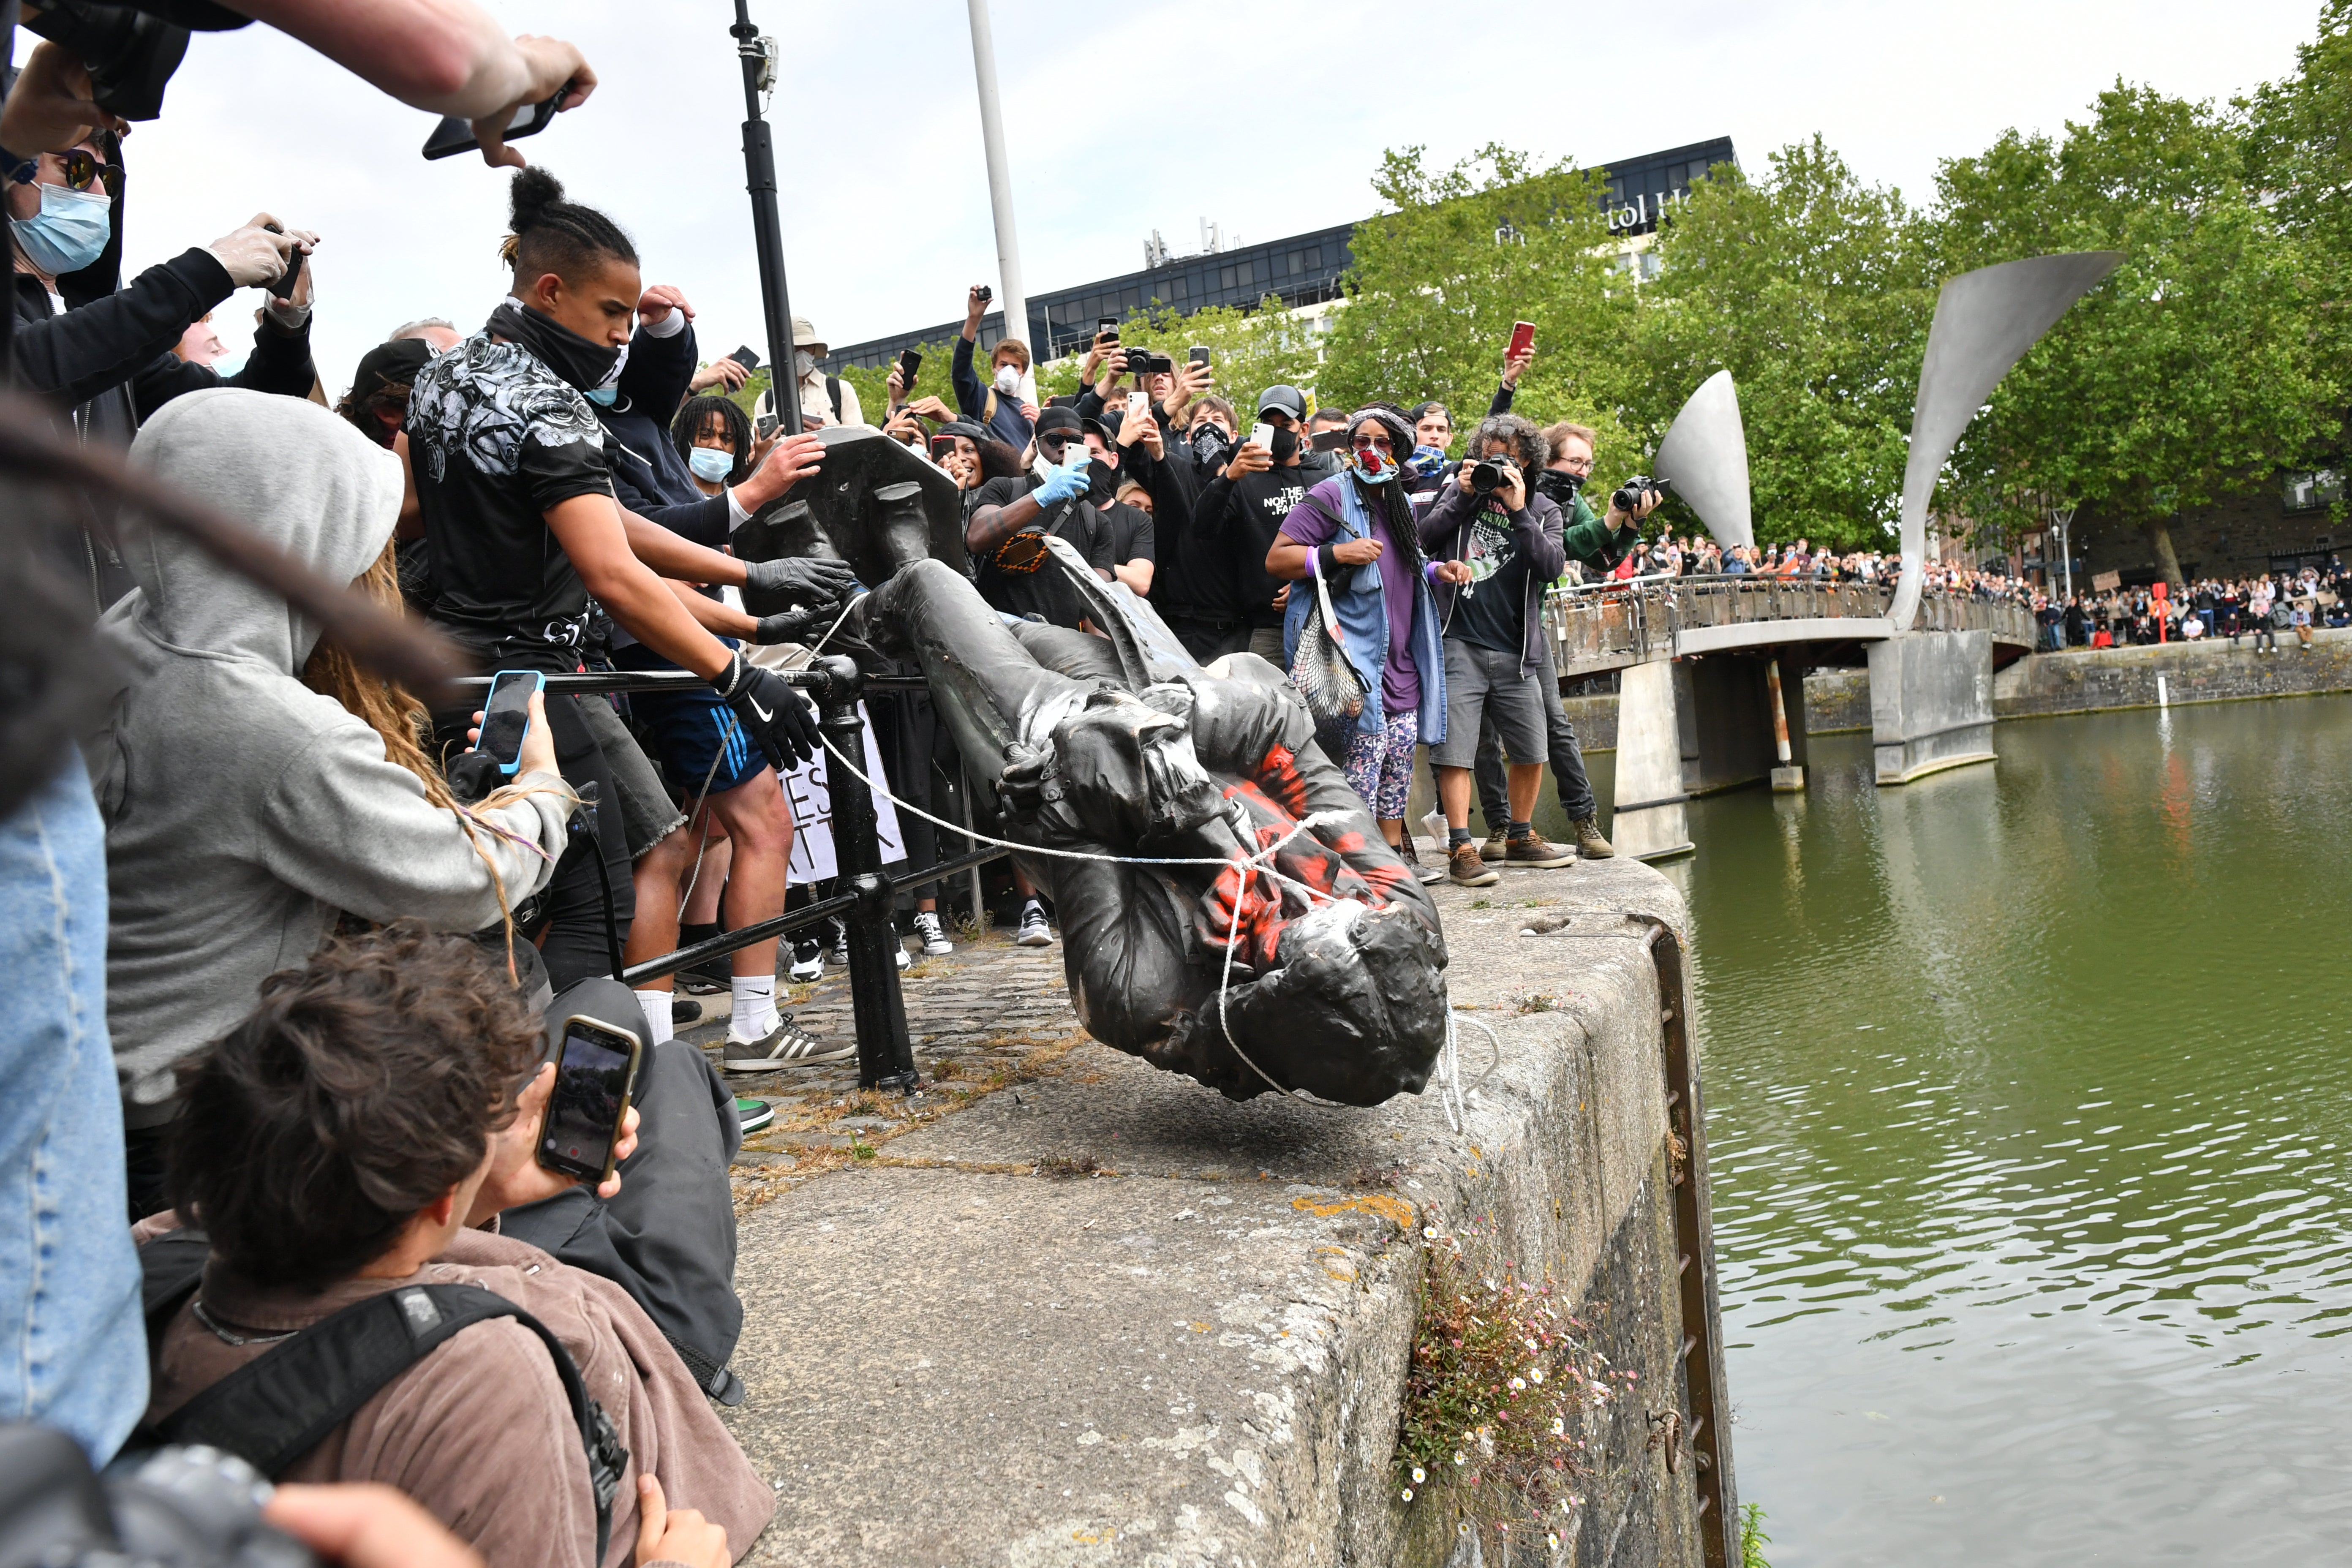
[(1268, 118)]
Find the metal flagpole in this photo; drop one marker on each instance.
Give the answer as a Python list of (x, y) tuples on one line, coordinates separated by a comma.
[(1010, 295), (760, 179)]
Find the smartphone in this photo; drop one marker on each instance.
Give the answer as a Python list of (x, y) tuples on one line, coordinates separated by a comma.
[(765, 425), (1138, 403), (595, 1073), (1523, 338), (283, 286), (454, 135), (1107, 326), (1330, 440), (910, 362), (1262, 435), (506, 717), (1200, 355), (747, 356)]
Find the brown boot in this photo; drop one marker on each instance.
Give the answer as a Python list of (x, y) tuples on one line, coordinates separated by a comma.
[(1589, 842), (1535, 850), (1464, 869)]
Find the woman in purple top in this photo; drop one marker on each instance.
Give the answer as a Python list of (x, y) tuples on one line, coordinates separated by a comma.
[(1356, 531)]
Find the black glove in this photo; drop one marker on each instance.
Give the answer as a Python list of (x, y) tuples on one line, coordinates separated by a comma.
[(803, 579), (789, 625), (771, 711)]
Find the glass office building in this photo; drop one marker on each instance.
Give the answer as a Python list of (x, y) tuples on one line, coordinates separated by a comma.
[(1303, 270)]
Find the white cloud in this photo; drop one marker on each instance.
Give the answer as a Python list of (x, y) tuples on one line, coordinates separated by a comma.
[(1269, 119)]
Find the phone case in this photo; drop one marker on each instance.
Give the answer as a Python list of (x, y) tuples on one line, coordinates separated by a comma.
[(628, 1098)]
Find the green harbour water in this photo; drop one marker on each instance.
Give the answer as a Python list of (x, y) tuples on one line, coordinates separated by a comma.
[(2030, 1093)]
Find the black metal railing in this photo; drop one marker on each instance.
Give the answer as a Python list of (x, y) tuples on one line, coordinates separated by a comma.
[(885, 1057)]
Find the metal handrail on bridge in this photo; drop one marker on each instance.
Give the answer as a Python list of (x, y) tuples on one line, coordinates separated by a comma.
[(1606, 626)]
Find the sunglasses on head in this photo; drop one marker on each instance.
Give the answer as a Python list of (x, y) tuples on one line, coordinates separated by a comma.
[(82, 167)]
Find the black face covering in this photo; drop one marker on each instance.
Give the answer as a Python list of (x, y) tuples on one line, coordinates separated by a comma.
[(575, 360), (1285, 444), (1559, 484), (1210, 445), (1102, 482)]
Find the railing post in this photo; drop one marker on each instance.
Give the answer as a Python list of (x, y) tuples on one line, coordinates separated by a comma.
[(885, 1057)]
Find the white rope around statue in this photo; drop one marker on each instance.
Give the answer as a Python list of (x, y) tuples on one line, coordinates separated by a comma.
[(1449, 1058)]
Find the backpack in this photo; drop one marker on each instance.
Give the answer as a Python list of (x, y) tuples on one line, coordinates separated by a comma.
[(283, 1402)]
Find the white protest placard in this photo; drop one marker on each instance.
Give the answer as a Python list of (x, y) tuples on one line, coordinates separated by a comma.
[(809, 798)]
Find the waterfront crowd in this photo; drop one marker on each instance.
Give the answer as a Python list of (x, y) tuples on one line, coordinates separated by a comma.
[(2257, 607)]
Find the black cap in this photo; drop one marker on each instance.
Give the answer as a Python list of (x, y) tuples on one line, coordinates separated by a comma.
[(1057, 418), (390, 365), (1106, 426), (1283, 399)]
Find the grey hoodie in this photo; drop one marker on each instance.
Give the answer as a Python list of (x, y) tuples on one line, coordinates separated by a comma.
[(244, 811)]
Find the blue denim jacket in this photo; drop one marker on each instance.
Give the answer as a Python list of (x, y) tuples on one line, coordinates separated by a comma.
[(1364, 622)]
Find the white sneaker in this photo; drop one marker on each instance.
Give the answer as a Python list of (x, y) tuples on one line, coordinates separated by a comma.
[(808, 961), (899, 952), (935, 937), (840, 953), (1033, 931)]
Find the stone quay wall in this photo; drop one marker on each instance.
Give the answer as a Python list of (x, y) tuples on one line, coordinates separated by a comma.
[(1098, 1314)]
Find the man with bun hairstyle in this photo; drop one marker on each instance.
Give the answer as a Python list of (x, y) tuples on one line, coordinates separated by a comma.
[(521, 526)]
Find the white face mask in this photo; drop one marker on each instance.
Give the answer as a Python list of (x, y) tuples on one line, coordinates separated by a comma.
[(1008, 379), (803, 364)]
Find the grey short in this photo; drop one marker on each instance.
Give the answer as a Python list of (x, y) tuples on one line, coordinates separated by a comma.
[(647, 812), (1482, 684)]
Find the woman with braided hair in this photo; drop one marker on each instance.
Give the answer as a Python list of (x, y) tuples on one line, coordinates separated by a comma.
[(1356, 531)]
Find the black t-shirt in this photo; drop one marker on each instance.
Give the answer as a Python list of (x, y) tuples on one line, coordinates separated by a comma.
[(496, 439), (1259, 502), (1024, 588), (1490, 610), (1131, 537)]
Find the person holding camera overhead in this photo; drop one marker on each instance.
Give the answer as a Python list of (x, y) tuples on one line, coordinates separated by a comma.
[(1006, 405), (1491, 518)]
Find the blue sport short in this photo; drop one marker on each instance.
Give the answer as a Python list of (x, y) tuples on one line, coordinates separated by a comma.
[(689, 731)]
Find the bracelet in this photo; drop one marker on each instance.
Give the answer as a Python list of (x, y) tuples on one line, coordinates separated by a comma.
[(735, 668)]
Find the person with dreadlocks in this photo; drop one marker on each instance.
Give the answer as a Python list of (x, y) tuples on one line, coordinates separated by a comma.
[(1355, 532)]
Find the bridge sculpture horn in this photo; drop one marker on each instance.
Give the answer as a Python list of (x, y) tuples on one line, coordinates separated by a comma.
[(1705, 455), (1985, 320)]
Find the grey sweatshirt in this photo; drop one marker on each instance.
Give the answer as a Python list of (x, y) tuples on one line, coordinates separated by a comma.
[(244, 811)]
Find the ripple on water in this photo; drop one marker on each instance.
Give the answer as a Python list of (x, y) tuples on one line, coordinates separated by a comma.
[(2028, 1096)]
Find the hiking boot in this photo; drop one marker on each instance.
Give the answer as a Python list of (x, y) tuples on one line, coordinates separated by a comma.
[(1033, 931), (1536, 850), (1464, 869), (785, 1046), (808, 961), (935, 937), (753, 1114), (1589, 842), (1496, 847)]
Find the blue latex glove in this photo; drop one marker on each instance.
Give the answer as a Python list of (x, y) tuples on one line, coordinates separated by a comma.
[(1062, 483)]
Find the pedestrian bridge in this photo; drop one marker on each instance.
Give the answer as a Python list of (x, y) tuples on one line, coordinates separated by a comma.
[(1605, 626), (1711, 675)]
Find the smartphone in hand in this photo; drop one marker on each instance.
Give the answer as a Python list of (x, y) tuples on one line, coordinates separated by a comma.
[(506, 717), (595, 1074), (1523, 338), (747, 356), (454, 135)]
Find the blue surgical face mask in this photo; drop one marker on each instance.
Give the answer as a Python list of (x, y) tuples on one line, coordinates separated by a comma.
[(68, 232), (604, 396), (710, 464)]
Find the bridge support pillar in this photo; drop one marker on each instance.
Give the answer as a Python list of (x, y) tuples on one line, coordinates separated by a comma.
[(1648, 820), (1930, 702)]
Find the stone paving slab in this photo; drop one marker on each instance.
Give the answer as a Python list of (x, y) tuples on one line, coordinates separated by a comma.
[(1063, 1307)]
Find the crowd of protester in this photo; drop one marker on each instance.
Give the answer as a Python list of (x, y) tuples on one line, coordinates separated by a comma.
[(2253, 609)]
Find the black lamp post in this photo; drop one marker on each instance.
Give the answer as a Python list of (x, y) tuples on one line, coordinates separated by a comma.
[(760, 179)]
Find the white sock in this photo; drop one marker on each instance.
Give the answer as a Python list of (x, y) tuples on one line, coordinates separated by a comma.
[(755, 1005), (656, 1007)]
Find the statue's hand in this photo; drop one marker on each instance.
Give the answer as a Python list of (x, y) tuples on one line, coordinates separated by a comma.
[(1026, 786)]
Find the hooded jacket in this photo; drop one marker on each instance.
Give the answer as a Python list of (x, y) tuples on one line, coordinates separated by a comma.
[(244, 811)]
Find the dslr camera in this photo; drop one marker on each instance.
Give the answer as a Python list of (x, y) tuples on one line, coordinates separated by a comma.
[(1628, 495), (179, 1507), (1488, 473), (1143, 362)]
